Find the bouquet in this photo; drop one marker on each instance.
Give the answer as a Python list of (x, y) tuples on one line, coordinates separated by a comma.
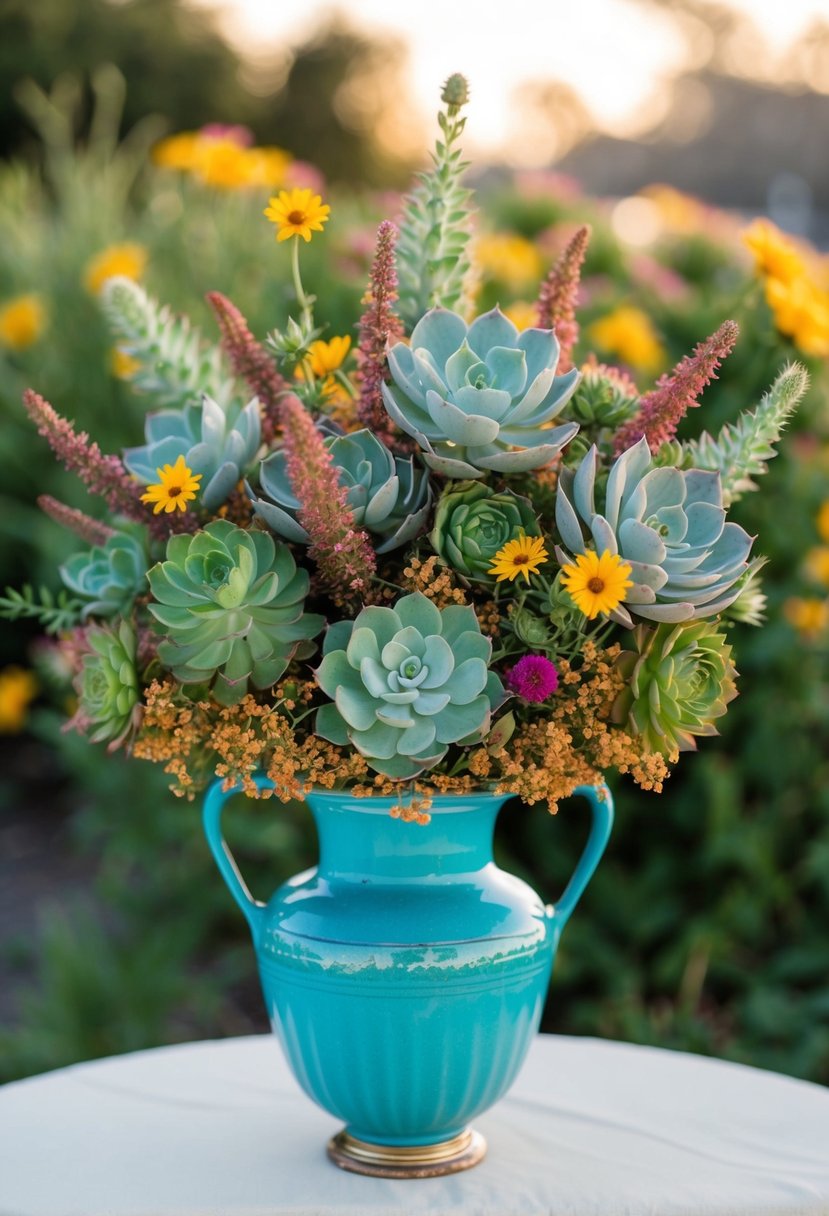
[(439, 558)]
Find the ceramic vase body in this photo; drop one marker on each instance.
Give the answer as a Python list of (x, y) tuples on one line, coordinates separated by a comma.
[(405, 975)]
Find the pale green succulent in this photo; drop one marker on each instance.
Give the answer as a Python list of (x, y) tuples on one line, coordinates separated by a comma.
[(390, 496), (216, 443), (473, 521), (669, 526), (109, 576), (231, 606), (479, 398), (108, 693), (406, 682), (680, 679)]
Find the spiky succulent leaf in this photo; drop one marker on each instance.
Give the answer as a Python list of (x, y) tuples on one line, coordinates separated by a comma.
[(175, 366), (679, 680), (668, 524), (741, 450), (230, 606), (108, 691), (109, 576), (478, 398), (405, 682)]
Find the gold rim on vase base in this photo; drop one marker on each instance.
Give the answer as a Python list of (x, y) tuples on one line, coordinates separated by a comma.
[(407, 1161)]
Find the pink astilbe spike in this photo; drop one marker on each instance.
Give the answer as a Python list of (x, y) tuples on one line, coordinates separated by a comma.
[(342, 551), (379, 325), (661, 410), (88, 529), (557, 299), (250, 361)]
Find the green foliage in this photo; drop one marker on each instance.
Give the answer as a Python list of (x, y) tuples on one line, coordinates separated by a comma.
[(53, 612)]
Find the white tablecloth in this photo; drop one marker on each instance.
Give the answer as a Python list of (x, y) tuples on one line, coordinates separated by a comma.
[(590, 1128)]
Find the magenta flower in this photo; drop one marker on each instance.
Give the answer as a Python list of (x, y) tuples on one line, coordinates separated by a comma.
[(534, 678)]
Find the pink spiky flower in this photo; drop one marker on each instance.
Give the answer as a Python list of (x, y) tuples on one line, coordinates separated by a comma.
[(559, 293), (379, 325), (249, 360)]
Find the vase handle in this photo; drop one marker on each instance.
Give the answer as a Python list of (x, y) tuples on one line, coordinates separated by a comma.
[(601, 807), (253, 909)]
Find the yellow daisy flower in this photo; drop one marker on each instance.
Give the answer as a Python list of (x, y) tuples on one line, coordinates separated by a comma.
[(327, 357), (21, 322), (628, 333), (522, 556), (597, 584), (809, 616), (775, 256), (176, 486), (128, 260), (297, 213), (17, 689)]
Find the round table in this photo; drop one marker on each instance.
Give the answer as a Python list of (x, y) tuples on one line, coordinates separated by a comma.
[(222, 1129)]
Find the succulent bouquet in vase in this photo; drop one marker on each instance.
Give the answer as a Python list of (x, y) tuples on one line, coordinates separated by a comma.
[(406, 582)]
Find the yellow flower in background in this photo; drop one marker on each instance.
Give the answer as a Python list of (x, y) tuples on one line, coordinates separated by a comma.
[(327, 357), (801, 312), (628, 334), (128, 259), (222, 158), (176, 486), (18, 688), (809, 616), (179, 151), (817, 564), (823, 521), (522, 314), (222, 163), (122, 364), (297, 213), (775, 256), (509, 258), (679, 212), (597, 584), (268, 166), (521, 556), (22, 321)]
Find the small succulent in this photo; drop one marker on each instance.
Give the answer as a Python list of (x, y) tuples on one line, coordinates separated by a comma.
[(109, 576), (390, 496), (680, 679), (215, 443), (668, 524), (108, 693), (406, 682), (230, 604), (479, 398), (473, 521)]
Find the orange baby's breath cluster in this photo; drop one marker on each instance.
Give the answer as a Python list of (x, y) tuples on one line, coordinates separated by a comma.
[(434, 580)]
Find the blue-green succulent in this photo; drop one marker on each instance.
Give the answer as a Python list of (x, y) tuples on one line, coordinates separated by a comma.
[(479, 398), (109, 576), (405, 683), (668, 524), (231, 606), (389, 495), (216, 443), (473, 521), (108, 692)]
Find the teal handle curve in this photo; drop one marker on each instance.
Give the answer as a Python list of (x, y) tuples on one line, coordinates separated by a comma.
[(601, 807), (214, 803)]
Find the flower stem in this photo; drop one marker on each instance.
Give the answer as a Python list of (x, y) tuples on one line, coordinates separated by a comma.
[(302, 298)]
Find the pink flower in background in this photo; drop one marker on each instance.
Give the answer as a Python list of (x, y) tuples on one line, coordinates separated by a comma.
[(534, 678), (242, 136), (301, 175)]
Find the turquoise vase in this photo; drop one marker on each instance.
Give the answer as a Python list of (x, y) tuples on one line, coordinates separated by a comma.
[(406, 974)]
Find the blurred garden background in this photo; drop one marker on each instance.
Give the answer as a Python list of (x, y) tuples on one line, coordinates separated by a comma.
[(144, 137)]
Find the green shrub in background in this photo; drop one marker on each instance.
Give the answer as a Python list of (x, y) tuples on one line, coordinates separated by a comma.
[(704, 928)]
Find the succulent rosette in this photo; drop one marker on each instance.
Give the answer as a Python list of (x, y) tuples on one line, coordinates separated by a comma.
[(406, 682), (390, 496), (481, 397), (231, 606), (680, 679), (109, 576), (668, 525), (108, 691), (473, 521)]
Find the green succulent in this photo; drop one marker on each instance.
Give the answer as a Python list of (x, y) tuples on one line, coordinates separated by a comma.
[(668, 524), (406, 682), (109, 576), (479, 398), (680, 679), (231, 605), (390, 496), (215, 442), (473, 521), (108, 693)]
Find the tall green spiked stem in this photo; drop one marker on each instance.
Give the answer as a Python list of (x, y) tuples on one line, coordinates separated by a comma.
[(230, 605), (433, 264), (406, 682)]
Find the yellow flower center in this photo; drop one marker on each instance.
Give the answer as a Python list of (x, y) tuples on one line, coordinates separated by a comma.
[(296, 217), (596, 585)]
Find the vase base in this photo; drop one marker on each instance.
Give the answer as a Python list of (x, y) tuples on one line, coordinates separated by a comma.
[(407, 1161)]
